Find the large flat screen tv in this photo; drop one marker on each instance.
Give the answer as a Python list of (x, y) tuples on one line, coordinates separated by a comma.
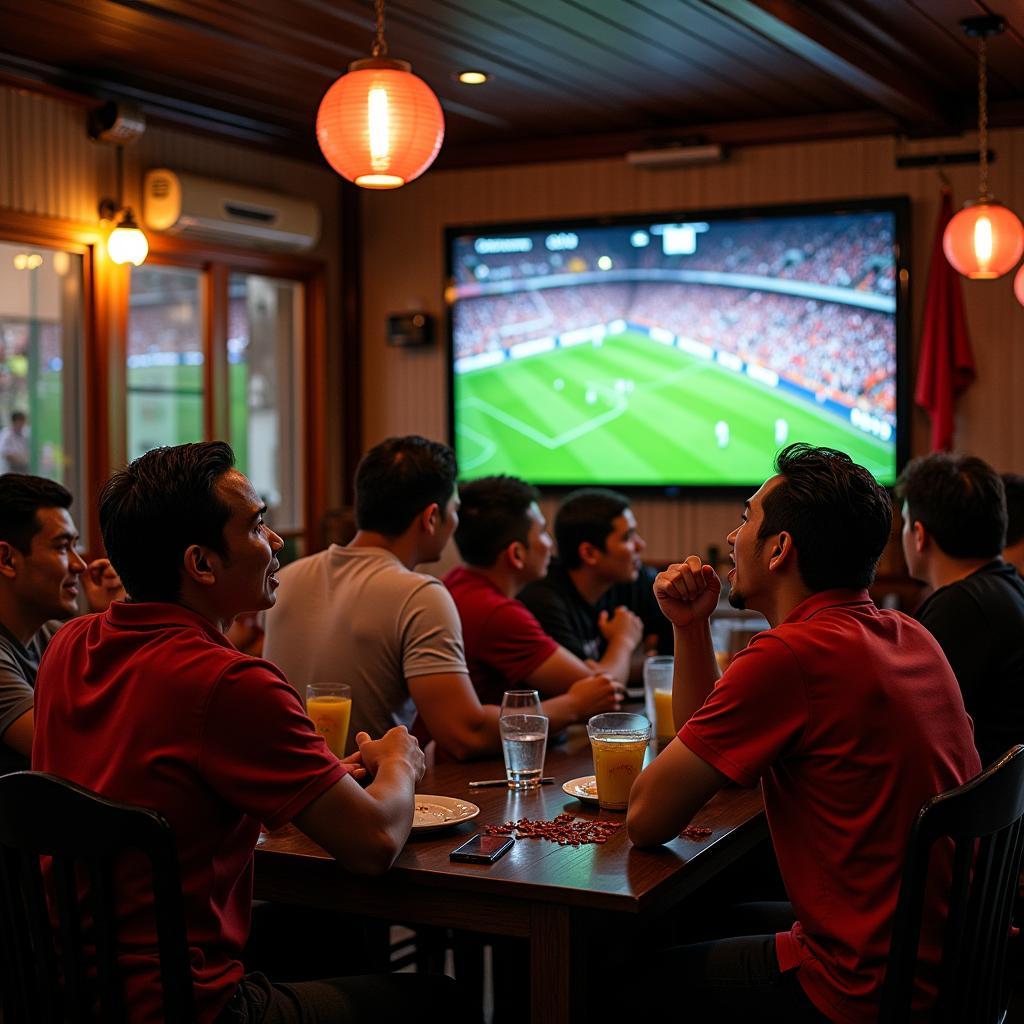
[(679, 349)]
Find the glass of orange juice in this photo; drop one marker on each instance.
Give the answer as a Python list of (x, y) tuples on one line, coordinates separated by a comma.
[(619, 743), (658, 695), (329, 706)]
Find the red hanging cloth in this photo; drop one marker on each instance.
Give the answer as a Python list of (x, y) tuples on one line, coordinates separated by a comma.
[(946, 366)]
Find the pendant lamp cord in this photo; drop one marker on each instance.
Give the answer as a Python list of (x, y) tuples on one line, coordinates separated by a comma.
[(982, 113), (380, 46)]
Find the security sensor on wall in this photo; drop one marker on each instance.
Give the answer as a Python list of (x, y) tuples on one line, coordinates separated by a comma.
[(410, 330)]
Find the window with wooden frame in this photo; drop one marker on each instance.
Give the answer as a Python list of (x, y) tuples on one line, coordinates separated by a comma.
[(201, 342), (220, 344)]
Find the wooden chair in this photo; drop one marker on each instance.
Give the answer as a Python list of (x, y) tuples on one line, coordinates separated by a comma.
[(985, 820), (46, 943)]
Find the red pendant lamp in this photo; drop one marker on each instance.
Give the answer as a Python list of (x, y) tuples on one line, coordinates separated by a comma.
[(379, 125), (1018, 285), (985, 239)]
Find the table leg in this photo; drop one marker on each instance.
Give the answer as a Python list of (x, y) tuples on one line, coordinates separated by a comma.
[(556, 977)]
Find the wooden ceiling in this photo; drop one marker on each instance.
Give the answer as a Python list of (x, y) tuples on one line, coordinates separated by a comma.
[(570, 77)]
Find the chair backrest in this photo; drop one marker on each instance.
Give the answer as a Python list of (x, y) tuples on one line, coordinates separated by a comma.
[(43, 942), (985, 820)]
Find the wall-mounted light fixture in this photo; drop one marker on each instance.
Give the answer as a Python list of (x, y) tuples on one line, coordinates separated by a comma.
[(119, 124)]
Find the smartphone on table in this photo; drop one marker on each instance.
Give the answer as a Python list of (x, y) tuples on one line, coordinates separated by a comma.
[(481, 849)]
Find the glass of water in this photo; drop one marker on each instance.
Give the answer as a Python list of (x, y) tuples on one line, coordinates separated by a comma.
[(524, 737)]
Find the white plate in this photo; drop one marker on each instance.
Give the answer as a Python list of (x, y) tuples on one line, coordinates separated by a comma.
[(584, 788), (434, 812)]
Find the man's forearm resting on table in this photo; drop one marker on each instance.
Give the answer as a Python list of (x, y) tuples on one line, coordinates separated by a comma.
[(363, 829), (668, 793)]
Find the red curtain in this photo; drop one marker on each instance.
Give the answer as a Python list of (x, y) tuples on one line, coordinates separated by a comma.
[(946, 367)]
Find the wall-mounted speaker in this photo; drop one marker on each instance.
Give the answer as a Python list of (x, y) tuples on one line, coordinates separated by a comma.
[(410, 330)]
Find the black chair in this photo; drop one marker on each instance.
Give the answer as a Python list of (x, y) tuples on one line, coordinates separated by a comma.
[(985, 820), (46, 944)]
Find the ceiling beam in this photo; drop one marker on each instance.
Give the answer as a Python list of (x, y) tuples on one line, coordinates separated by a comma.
[(824, 43), (762, 132)]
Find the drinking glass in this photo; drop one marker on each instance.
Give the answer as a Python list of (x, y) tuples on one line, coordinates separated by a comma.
[(619, 743), (329, 705), (524, 736), (658, 695)]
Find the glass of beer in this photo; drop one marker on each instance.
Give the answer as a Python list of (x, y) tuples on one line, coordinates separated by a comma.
[(524, 737), (658, 695), (329, 706), (619, 742)]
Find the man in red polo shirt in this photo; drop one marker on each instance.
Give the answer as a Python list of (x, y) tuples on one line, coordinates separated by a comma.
[(150, 704), (504, 543), (851, 719)]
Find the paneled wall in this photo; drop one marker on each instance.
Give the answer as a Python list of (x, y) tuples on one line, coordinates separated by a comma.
[(50, 167), (403, 267)]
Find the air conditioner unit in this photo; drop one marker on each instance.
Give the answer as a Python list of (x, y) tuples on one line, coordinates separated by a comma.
[(188, 205)]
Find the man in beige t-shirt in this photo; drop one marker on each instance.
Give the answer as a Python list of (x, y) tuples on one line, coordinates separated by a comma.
[(361, 615)]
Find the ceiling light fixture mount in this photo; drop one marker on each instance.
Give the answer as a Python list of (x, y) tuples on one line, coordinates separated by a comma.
[(985, 239), (379, 125)]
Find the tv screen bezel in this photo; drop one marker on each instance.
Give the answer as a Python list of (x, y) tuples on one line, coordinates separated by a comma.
[(898, 205)]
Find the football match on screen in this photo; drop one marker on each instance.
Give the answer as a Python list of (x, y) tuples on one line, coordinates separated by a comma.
[(674, 354)]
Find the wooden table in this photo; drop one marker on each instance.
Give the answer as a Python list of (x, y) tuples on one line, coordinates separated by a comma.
[(560, 898)]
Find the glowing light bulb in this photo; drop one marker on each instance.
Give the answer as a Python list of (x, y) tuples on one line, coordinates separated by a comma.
[(380, 129), (128, 245), (983, 241)]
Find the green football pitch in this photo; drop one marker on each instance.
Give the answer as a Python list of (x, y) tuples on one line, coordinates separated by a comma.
[(633, 411)]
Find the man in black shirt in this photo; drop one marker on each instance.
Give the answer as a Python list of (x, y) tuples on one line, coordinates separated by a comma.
[(954, 525), (1013, 552), (581, 602)]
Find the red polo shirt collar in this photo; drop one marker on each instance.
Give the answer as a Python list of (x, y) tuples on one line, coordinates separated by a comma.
[(156, 614), (839, 598)]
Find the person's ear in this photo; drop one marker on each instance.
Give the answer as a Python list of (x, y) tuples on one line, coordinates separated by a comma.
[(10, 556), (922, 538), (515, 554), (200, 565), (783, 553), (430, 517), (589, 553)]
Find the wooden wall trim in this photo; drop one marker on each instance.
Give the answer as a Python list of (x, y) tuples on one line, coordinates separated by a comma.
[(350, 360)]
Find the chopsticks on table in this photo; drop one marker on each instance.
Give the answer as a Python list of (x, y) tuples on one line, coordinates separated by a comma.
[(502, 782)]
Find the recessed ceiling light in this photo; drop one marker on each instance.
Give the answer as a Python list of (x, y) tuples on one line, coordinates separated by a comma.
[(473, 77)]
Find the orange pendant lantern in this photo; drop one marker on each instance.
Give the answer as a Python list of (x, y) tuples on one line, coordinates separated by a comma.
[(380, 126), (985, 239), (1018, 286)]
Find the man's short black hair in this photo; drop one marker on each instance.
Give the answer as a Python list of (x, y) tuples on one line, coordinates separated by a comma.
[(960, 501), (1013, 485), (586, 516), (398, 478), (839, 517), (494, 511), (152, 511), (21, 496), (19, 417)]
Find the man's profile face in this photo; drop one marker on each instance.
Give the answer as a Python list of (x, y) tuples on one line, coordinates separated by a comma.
[(247, 581), (749, 577), (47, 577), (538, 545), (620, 562), (909, 544), (447, 523)]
